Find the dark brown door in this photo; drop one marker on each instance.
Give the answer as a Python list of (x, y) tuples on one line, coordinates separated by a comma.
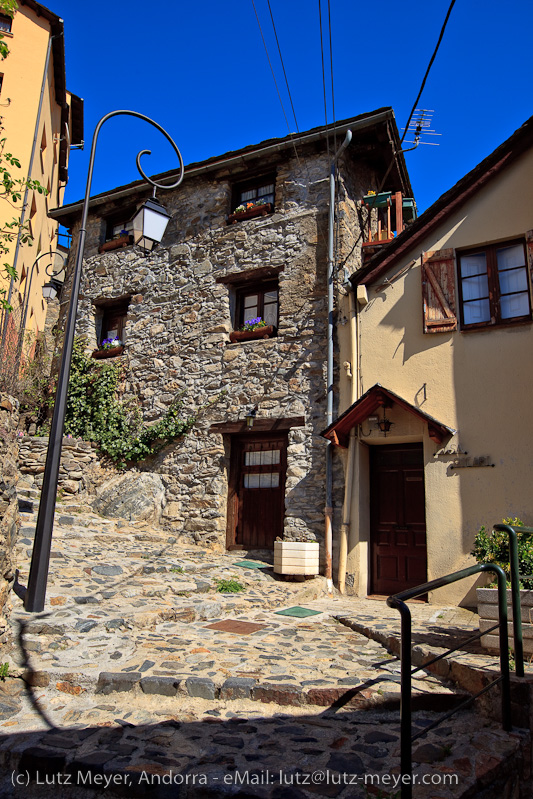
[(397, 518), (257, 491)]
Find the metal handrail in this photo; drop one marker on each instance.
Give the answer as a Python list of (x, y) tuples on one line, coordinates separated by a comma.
[(398, 601), (515, 591)]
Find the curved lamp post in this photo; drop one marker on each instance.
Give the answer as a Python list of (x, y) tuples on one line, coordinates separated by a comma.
[(26, 302), (147, 237)]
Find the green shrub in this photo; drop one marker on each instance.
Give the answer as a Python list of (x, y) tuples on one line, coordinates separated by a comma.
[(493, 547), (94, 413)]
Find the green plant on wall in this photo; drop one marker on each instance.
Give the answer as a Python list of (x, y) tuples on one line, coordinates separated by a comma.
[(493, 547), (94, 413)]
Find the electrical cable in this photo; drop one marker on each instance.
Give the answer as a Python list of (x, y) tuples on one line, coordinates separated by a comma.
[(283, 66), (273, 75), (331, 72), (323, 75), (428, 69), (432, 59)]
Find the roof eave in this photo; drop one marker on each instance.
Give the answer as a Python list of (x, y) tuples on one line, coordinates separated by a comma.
[(68, 213)]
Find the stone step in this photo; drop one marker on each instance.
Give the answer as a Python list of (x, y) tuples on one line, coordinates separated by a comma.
[(427, 695), (195, 748)]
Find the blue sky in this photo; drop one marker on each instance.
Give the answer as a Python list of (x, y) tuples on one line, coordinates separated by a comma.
[(200, 70)]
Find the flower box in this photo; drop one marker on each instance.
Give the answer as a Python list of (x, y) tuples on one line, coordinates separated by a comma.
[(296, 557), (487, 608), (110, 352), (250, 213), (252, 335), (116, 244)]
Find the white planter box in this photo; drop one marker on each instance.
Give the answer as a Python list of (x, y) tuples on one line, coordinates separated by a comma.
[(487, 607), (296, 557)]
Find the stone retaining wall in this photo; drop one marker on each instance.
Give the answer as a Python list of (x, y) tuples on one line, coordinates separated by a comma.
[(9, 512), (77, 457)]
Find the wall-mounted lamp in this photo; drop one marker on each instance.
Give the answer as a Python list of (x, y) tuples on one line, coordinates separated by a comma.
[(384, 424), (250, 417)]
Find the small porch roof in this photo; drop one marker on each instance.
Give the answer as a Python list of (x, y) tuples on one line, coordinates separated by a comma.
[(376, 397)]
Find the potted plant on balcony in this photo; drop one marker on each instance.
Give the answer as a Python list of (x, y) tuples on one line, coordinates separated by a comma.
[(493, 547), (249, 211), (251, 330), (124, 239), (109, 348)]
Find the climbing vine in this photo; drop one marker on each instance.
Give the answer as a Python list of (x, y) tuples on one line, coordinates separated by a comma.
[(94, 413)]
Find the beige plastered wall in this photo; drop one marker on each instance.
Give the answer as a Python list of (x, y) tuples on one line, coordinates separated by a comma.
[(479, 383), (22, 79)]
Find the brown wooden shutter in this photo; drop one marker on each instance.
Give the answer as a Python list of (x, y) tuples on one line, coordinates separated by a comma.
[(438, 291)]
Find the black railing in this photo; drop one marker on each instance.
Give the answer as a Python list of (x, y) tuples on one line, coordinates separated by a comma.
[(398, 601), (515, 590)]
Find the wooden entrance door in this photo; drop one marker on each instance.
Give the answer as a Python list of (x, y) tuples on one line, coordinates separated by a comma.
[(257, 491), (397, 518)]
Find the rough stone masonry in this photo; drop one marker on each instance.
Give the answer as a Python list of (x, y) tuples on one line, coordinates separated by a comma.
[(181, 307)]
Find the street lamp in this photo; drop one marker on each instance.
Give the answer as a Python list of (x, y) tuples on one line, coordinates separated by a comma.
[(149, 224), (51, 289), (36, 591), (27, 291)]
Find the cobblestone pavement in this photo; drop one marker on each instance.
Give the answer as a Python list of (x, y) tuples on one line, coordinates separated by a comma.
[(128, 677)]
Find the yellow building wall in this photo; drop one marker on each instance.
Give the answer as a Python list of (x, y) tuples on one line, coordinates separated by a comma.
[(478, 382), (19, 103)]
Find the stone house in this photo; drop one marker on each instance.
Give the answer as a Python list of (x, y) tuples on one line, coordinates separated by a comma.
[(178, 310), (438, 427)]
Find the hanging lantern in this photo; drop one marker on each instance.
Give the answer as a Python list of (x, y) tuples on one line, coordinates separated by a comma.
[(149, 224)]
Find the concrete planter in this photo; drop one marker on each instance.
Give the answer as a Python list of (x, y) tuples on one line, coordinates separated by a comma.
[(296, 557), (487, 607)]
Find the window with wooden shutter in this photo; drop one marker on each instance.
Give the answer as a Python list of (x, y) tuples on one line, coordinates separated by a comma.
[(438, 291), (494, 285)]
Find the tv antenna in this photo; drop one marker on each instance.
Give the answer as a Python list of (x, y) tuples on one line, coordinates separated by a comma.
[(420, 126)]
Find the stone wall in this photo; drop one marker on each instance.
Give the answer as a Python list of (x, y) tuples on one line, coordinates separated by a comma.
[(9, 512), (77, 458), (177, 336)]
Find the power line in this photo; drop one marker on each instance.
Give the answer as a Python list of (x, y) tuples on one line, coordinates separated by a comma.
[(283, 67), (331, 71), (272, 69), (432, 59), (323, 74), (429, 67)]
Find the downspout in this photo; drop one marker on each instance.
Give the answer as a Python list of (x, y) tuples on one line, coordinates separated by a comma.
[(26, 192), (328, 511), (350, 465)]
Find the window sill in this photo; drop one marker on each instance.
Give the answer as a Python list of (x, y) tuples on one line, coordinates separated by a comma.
[(251, 213), (115, 244), (252, 335), (496, 326), (111, 352)]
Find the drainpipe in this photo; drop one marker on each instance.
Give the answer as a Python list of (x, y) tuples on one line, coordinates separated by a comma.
[(329, 448), (26, 192), (350, 465)]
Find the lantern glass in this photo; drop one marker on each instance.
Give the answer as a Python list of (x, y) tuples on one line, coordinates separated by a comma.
[(149, 224), (49, 291)]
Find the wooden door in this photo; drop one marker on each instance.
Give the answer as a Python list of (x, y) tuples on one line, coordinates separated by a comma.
[(257, 491), (397, 518)]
